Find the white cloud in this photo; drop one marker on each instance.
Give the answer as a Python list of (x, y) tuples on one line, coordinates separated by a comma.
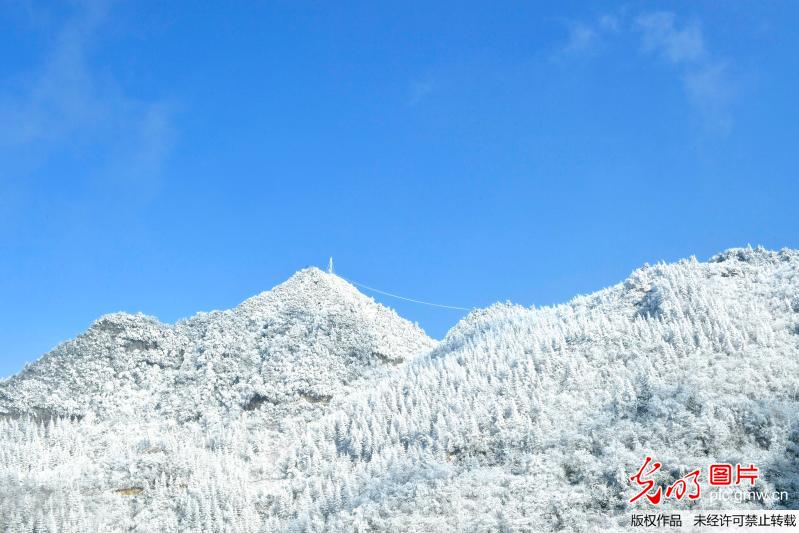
[(419, 91), (585, 38), (709, 89), (676, 45), (703, 75), (609, 23), (65, 102), (582, 38), (705, 78)]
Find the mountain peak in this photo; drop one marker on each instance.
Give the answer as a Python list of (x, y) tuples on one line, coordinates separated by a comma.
[(308, 337), (120, 321), (699, 360), (308, 287), (755, 256)]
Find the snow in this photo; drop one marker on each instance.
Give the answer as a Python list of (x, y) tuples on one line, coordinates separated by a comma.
[(310, 408), (310, 338)]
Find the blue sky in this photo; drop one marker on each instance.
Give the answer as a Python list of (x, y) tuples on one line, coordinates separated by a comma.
[(183, 157)]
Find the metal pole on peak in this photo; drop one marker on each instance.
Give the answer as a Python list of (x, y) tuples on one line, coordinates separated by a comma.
[(330, 266)]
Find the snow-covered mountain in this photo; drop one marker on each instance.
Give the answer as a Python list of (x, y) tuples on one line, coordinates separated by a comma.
[(303, 343), (534, 419), (519, 420)]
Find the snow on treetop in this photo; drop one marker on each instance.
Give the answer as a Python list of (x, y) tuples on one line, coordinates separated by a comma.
[(307, 288), (543, 414), (318, 410), (306, 338)]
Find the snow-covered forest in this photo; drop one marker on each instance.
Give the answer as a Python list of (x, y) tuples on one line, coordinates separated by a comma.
[(312, 408)]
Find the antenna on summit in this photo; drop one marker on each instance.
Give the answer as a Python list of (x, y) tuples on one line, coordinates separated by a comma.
[(330, 266)]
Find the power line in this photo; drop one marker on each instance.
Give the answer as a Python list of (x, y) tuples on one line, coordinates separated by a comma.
[(403, 297)]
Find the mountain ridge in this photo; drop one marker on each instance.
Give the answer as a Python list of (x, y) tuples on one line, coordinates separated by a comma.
[(311, 310), (528, 419)]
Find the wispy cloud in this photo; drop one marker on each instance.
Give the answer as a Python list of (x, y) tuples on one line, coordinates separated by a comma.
[(709, 88), (677, 45), (609, 23), (587, 37), (419, 91), (65, 103), (582, 38), (704, 76), (681, 45)]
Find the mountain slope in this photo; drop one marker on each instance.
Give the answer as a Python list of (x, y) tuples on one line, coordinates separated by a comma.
[(519, 420), (301, 342), (541, 415)]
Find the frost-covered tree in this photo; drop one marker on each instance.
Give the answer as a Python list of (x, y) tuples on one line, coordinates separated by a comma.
[(310, 408)]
